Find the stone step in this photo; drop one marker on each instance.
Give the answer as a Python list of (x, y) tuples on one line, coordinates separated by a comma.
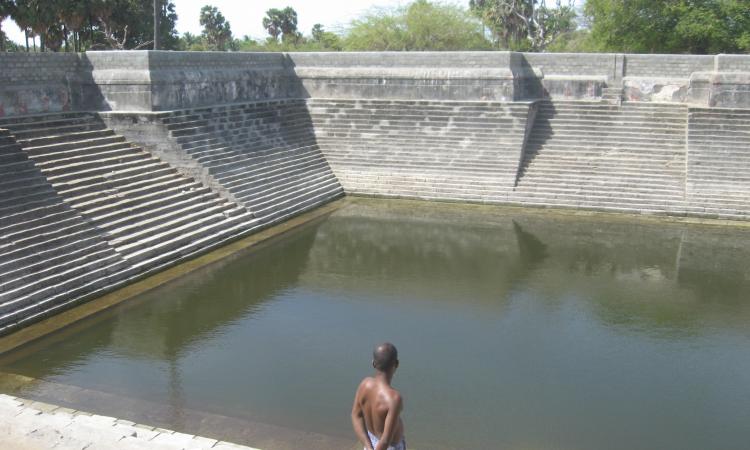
[(121, 204), (412, 118), (170, 231), (10, 158), (295, 206), (420, 128), (67, 288), (221, 169), (183, 239), (231, 137), (37, 119), (113, 169), (715, 176), (605, 186), (278, 161), (514, 141), (291, 137), (719, 122), (41, 226), (426, 106), (28, 204), (134, 231), (44, 249), (558, 171), (54, 123), (85, 154), (274, 121), (587, 156), (380, 181), (600, 140), (53, 264), (290, 201), (273, 174), (272, 112), (75, 166), (73, 145), (54, 276), (245, 143), (113, 180), (24, 194), (443, 159), (65, 138), (217, 154), (589, 201), (11, 168), (32, 213), (21, 178), (611, 127), (239, 131), (133, 191), (423, 165), (147, 210), (19, 243), (253, 198), (577, 204), (46, 130), (208, 156), (246, 109), (193, 242)]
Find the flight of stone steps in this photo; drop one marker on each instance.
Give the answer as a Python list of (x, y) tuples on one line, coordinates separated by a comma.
[(265, 154), (594, 155), (462, 151), (49, 253), (613, 93), (143, 207), (718, 174)]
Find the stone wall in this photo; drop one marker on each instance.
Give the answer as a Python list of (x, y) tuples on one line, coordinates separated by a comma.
[(414, 75), (36, 83), (162, 81)]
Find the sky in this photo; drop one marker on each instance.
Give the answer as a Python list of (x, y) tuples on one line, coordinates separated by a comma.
[(245, 16)]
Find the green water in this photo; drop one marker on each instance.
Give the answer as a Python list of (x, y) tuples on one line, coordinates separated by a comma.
[(516, 330)]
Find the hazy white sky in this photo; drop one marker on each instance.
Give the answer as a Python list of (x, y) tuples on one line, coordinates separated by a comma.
[(245, 16)]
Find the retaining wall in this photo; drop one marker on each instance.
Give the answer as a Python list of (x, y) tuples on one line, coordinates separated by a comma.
[(163, 81)]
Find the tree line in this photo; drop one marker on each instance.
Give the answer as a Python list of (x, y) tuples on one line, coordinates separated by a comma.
[(79, 25), (638, 26)]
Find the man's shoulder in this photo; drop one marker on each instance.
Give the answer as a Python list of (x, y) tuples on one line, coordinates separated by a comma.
[(367, 383)]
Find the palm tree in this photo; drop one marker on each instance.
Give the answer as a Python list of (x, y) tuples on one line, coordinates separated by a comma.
[(6, 10)]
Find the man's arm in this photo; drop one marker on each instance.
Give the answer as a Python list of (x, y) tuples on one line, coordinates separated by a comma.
[(391, 422), (358, 420)]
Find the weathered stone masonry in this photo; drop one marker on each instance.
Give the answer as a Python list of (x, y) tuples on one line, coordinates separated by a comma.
[(118, 164)]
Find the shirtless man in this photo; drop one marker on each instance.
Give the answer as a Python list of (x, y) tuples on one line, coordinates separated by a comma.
[(377, 406)]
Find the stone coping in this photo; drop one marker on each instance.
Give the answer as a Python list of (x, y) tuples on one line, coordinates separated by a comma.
[(27, 425)]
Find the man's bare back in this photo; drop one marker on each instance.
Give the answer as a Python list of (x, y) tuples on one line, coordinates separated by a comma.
[(376, 413)]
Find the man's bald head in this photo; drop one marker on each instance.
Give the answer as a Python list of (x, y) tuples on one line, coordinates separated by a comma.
[(385, 357)]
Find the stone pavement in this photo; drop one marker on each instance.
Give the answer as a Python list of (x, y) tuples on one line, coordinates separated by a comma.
[(29, 425)]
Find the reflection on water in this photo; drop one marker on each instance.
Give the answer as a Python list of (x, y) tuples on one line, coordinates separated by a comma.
[(517, 330)]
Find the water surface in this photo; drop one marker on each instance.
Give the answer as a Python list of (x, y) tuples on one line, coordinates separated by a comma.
[(516, 330)]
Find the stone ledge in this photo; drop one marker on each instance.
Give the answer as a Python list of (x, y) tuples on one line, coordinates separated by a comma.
[(26, 424)]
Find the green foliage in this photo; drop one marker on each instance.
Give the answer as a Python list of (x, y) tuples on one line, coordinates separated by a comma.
[(324, 40), (94, 24), (282, 22), (422, 25), (6, 10), (525, 24), (670, 26), (217, 33)]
